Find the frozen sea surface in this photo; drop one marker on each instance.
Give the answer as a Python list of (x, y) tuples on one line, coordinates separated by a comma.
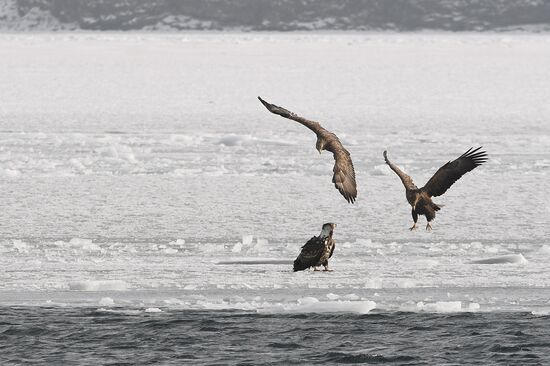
[(139, 171)]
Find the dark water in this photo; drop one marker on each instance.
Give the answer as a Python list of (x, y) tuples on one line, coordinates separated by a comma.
[(32, 335)]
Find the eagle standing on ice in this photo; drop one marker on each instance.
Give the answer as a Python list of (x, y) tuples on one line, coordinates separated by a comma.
[(443, 179), (344, 174), (317, 250)]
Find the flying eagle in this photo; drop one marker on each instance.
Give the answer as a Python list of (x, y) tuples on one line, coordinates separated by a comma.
[(344, 174), (317, 250), (421, 199)]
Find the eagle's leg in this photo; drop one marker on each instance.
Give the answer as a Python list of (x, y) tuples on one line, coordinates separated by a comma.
[(326, 267), (428, 226), (415, 219)]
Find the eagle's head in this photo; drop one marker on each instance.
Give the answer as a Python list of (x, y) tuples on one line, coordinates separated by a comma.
[(327, 230), (320, 145)]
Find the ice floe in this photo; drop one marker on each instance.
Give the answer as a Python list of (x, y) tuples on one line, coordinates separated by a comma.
[(504, 259), (447, 307), (313, 305)]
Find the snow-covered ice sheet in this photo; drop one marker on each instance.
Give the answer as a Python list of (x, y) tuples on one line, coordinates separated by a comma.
[(140, 170)]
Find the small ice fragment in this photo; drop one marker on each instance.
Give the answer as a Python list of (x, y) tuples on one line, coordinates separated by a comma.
[(106, 301), (247, 239), (153, 310)]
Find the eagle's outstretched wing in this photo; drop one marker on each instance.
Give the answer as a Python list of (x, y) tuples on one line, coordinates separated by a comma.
[(407, 180), (310, 254), (344, 173), (312, 125), (453, 170)]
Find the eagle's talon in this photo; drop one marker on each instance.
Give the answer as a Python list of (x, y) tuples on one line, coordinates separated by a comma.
[(412, 227), (428, 227)]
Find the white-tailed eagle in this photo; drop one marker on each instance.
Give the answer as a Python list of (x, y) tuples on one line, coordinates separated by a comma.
[(317, 250), (421, 198), (344, 174)]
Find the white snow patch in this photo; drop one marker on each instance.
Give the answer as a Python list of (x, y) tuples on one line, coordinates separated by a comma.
[(105, 285), (12, 172), (233, 140), (20, 246)]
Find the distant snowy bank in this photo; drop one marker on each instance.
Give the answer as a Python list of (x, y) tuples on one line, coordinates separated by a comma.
[(277, 15)]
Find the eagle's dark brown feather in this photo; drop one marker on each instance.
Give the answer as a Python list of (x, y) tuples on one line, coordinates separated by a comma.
[(406, 179), (449, 173), (275, 109), (344, 173), (311, 254)]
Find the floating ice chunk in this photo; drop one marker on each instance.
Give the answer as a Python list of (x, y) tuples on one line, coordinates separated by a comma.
[(476, 245), (261, 244), (473, 306), (373, 283), (12, 172), (85, 244), (170, 251), (313, 305), (247, 239), (447, 307), (541, 312), (180, 242), (105, 285), (173, 301), (20, 246), (440, 306), (78, 165), (106, 301), (237, 248), (505, 259), (252, 261), (119, 311), (405, 283), (545, 249), (332, 296), (153, 310)]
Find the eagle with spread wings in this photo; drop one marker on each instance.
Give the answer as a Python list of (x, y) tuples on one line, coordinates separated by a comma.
[(344, 174), (421, 198)]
